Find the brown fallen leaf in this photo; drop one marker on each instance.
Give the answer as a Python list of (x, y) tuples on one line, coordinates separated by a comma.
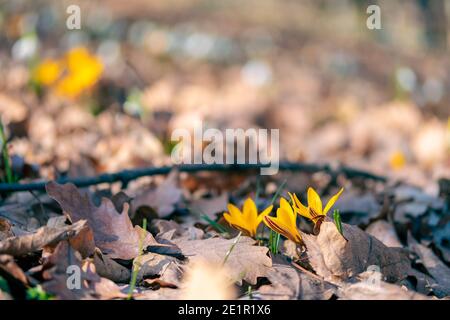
[(385, 232), (45, 236), (113, 231), (55, 274), (7, 264), (337, 259), (102, 288), (162, 199), (83, 241), (170, 230), (435, 267), (245, 262), (288, 283), (92, 286), (367, 289), (5, 229), (165, 268), (110, 269)]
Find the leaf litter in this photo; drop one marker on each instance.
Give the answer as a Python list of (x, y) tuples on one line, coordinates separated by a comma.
[(395, 233), (103, 243)]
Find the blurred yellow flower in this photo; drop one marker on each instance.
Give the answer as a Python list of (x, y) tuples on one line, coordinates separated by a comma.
[(47, 72), (397, 160), (83, 71), (285, 222), (248, 220), (77, 72), (314, 210)]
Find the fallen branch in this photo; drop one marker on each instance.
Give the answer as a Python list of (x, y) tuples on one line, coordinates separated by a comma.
[(126, 176)]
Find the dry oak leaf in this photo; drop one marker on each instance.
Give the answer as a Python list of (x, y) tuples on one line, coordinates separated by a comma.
[(44, 236), (246, 261), (110, 269), (289, 283), (167, 269), (92, 286), (336, 258), (162, 199), (113, 231)]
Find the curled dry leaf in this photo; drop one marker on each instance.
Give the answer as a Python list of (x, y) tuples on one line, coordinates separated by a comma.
[(162, 199), (45, 236), (110, 269), (167, 269), (8, 265), (245, 261), (113, 231), (289, 283), (337, 259), (435, 267)]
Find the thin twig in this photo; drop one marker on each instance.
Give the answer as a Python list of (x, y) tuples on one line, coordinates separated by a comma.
[(130, 175)]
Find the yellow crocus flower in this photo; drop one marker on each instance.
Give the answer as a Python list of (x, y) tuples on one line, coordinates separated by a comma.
[(83, 71), (47, 72), (314, 210), (285, 222), (248, 220)]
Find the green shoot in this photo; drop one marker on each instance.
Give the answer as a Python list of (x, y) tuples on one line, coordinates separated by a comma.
[(274, 238), (227, 255), (3, 285), (250, 292), (137, 261), (217, 226), (274, 241), (38, 293), (337, 221), (9, 176)]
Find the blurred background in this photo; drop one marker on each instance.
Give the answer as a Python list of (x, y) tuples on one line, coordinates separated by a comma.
[(107, 97)]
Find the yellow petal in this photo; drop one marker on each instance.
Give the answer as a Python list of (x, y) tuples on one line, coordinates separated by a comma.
[(299, 207), (249, 211), (229, 218), (286, 213), (332, 201), (237, 223), (278, 226), (265, 212), (314, 201), (233, 210)]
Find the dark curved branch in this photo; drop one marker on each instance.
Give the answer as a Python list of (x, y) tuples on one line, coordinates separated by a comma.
[(126, 176)]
